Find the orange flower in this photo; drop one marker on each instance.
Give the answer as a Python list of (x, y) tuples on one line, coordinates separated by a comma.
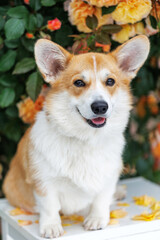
[(103, 3), (141, 110), (131, 11), (105, 47), (28, 109), (54, 24), (79, 11), (156, 9), (29, 35), (26, 2), (153, 104)]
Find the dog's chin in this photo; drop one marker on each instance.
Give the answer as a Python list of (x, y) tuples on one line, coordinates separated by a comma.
[(94, 122)]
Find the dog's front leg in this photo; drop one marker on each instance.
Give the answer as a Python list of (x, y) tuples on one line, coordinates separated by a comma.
[(99, 214), (50, 221)]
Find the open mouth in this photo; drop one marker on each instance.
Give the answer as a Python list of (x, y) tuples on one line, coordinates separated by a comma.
[(97, 122)]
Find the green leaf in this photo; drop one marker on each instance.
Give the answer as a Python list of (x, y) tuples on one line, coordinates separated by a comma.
[(103, 38), (153, 21), (8, 80), (25, 65), (92, 22), (48, 3), (34, 84), (11, 43), (14, 28), (35, 4), (18, 12), (12, 112), (2, 22), (31, 23), (13, 131), (39, 20), (28, 43), (7, 96), (3, 10), (65, 30), (108, 10), (7, 60), (159, 24), (111, 28)]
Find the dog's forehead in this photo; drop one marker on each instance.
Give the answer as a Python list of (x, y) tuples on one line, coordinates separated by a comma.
[(93, 65)]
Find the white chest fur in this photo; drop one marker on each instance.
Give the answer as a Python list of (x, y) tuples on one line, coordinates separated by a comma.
[(89, 166)]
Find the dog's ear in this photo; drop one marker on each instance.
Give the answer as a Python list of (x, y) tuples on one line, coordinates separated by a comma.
[(131, 55), (51, 59)]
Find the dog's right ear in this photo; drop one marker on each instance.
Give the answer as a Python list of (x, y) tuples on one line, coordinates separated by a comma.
[(51, 59)]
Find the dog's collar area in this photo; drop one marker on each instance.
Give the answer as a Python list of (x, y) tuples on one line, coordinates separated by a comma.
[(95, 122)]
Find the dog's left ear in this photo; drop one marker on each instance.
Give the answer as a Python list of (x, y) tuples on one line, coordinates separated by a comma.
[(131, 55), (51, 59)]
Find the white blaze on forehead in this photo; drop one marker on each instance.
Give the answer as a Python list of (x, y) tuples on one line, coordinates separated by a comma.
[(95, 67), (87, 75), (103, 73)]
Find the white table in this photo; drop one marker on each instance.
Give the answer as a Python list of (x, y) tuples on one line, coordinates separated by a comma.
[(127, 229)]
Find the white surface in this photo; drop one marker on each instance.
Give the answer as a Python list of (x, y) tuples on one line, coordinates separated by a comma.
[(127, 229)]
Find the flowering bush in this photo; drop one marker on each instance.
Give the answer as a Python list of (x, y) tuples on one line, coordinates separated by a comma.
[(80, 26)]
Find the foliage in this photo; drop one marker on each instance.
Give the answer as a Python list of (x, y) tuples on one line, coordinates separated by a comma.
[(21, 91)]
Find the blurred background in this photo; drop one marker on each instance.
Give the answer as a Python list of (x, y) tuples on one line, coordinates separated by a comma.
[(80, 27)]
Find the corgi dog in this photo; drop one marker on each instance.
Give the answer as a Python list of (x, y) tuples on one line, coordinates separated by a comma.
[(70, 160)]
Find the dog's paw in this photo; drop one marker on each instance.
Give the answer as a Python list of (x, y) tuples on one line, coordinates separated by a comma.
[(51, 230), (120, 193), (93, 223)]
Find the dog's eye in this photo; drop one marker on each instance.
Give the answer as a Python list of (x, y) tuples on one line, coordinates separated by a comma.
[(79, 83), (110, 82)]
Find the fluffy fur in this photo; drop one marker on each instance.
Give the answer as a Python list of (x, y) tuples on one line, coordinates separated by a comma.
[(62, 164)]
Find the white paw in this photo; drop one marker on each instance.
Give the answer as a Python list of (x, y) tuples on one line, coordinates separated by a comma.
[(120, 193), (93, 223), (51, 230)]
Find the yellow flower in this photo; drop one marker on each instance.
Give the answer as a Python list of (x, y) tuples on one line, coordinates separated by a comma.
[(129, 30), (123, 35), (79, 11), (139, 28), (131, 11), (144, 200), (103, 3)]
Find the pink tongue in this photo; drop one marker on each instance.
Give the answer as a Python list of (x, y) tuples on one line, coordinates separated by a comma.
[(98, 120)]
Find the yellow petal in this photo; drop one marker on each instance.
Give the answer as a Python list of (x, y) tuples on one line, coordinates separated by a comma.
[(147, 216), (24, 222), (118, 213), (66, 224), (123, 204), (144, 200), (37, 221), (19, 211), (155, 206), (113, 222)]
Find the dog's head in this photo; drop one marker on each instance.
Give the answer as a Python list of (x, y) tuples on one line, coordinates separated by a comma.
[(90, 92)]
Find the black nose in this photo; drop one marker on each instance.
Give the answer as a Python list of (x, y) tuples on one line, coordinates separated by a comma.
[(99, 107)]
